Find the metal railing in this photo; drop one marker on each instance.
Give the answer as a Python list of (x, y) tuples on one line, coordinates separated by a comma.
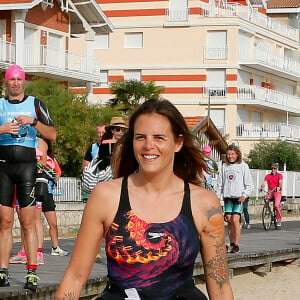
[(177, 15), (290, 187), (7, 52), (225, 9), (281, 63), (215, 53), (215, 91), (268, 130), (254, 92), (68, 189), (46, 56)]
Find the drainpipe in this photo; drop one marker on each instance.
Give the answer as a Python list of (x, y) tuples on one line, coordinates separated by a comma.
[(19, 21), (90, 45), (89, 89)]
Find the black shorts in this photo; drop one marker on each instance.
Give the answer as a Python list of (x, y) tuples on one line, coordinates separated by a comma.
[(19, 178), (190, 292), (48, 204)]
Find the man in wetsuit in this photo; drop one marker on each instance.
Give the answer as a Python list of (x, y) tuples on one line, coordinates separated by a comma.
[(21, 117)]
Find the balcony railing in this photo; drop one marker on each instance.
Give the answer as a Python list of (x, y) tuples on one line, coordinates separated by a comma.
[(215, 91), (251, 15), (221, 128), (260, 130), (254, 92), (177, 15), (7, 52), (281, 63), (63, 62), (215, 53)]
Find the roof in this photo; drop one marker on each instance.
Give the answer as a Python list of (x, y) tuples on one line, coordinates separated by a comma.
[(192, 121), (283, 4), (83, 14), (19, 4), (203, 125)]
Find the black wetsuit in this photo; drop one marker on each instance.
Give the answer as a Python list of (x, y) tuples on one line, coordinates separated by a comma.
[(17, 153)]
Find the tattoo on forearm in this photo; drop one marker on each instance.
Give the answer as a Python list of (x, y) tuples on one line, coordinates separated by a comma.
[(217, 266), (216, 222), (68, 296)]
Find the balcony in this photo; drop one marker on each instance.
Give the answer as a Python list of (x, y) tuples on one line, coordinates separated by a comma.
[(259, 130), (215, 53), (261, 59), (256, 95), (52, 63), (223, 10), (177, 15), (214, 91)]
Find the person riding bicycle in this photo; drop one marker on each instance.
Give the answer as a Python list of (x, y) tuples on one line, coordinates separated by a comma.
[(274, 181)]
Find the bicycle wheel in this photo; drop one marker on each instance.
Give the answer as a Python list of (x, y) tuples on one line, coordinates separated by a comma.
[(266, 217)]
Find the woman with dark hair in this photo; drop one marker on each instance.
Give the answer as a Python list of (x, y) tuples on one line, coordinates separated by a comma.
[(154, 217), (235, 185)]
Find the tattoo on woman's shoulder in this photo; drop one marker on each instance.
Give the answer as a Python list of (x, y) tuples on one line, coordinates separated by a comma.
[(216, 222)]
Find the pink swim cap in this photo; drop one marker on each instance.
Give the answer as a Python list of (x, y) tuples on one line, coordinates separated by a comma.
[(206, 149), (13, 72)]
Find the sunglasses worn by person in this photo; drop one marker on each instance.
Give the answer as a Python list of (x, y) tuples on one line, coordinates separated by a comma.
[(118, 129)]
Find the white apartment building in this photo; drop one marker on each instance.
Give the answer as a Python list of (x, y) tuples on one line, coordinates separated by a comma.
[(236, 61), (233, 58)]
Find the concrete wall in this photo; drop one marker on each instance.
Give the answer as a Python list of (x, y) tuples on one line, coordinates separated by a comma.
[(68, 219)]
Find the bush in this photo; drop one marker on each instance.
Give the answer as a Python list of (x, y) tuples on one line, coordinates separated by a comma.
[(74, 120), (265, 153)]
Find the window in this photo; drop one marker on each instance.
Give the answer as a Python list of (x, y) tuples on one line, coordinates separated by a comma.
[(244, 41), (216, 45), (218, 118), (101, 41), (178, 10), (104, 77), (242, 115), (256, 116), (55, 55), (215, 86), (243, 78), (132, 75), (134, 40)]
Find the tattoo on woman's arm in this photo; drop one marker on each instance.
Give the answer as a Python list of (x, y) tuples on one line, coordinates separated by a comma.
[(217, 266), (216, 222), (67, 296)]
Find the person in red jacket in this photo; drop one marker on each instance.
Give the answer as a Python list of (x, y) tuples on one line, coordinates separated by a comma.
[(274, 181)]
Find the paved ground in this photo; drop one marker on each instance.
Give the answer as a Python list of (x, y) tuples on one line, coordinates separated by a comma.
[(255, 241)]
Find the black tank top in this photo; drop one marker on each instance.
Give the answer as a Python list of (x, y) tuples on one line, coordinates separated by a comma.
[(155, 258)]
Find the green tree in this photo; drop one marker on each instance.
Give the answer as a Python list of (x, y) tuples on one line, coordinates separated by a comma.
[(130, 93), (265, 153), (74, 120)]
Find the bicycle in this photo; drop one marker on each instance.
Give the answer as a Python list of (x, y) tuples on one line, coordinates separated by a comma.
[(268, 213)]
